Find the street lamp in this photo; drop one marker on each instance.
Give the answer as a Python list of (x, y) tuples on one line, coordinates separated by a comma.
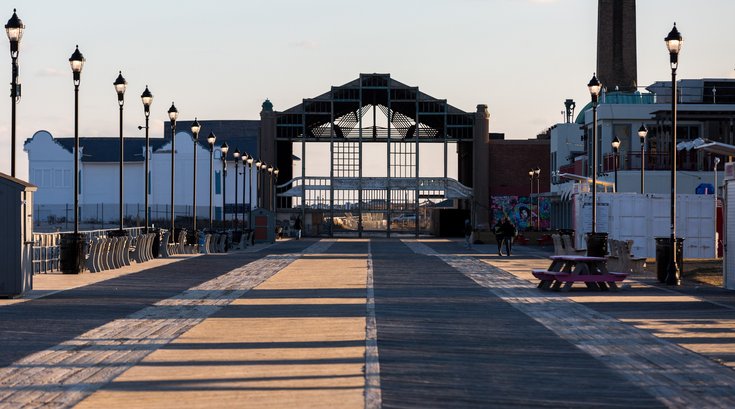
[(71, 259), (642, 133), (120, 86), (530, 195), (224, 148), (147, 99), (263, 168), (173, 113), (275, 183), (258, 163), (537, 173), (270, 186), (14, 29), (250, 192), (195, 128), (77, 63), (616, 149), (594, 87), (244, 158), (210, 140), (236, 155), (717, 162), (674, 42)]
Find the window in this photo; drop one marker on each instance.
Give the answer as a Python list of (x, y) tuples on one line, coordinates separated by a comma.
[(217, 182)]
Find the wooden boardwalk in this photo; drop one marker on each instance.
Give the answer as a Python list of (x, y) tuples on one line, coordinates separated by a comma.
[(356, 323)]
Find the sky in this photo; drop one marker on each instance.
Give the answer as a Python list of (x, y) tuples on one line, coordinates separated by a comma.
[(220, 59)]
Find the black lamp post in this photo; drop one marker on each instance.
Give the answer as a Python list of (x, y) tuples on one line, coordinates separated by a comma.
[(236, 155), (195, 128), (275, 183), (673, 43), (77, 63), (530, 197), (244, 158), (147, 99), (14, 29), (210, 140), (270, 186), (71, 258), (616, 155), (173, 113), (258, 164), (642, 133), (223, 149), (594, 87), (263, 168), (120, 86), (250, 191), (537, 173)]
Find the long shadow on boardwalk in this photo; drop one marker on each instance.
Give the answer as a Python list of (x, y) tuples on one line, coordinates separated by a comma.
[(444, 341), (33, 326)]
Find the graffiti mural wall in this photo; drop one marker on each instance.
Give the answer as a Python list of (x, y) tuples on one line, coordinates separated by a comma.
[(521, 211)]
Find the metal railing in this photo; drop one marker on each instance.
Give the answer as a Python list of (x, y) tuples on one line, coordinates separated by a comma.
[(46, 248)]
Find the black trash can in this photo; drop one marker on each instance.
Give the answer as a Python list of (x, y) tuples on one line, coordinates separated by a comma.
[(597, 244), (72, 253), (663, 256)]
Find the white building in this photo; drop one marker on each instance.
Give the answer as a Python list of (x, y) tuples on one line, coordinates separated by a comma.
[(702, 113), (51, 168)]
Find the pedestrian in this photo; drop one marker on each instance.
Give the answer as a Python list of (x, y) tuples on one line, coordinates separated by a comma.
[(509, 232), (467, 234), (498, 231), (297, 226)]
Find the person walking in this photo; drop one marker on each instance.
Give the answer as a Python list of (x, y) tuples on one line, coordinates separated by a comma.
[(297, 226), (509, 232), (498, 231), (467, 234)]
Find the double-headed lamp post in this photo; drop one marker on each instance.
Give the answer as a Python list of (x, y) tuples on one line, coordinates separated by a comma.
[(236, 155), (77, 63), (14, 29), (258, 163), (594, 87), (537, 173), (616, 155), (642, 133), (270, 186), (224, 149), (263, 169), (673, 43), (195, 128), (147, 99), (211, 139), (173, 114), (120, 86), (244, 158)]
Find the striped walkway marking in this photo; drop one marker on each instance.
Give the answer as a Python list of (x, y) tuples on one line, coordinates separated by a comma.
[(674, 375), (67, 373)]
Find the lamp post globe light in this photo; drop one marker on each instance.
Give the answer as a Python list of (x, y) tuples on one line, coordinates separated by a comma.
[(14, 29), (616, 152), (173, 114), (642, 133), (674, 42), (195, 128), (72, 256), (211, 139), (236, 155), (537, 173), (120, 87), (224, 149), (147, 99)]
